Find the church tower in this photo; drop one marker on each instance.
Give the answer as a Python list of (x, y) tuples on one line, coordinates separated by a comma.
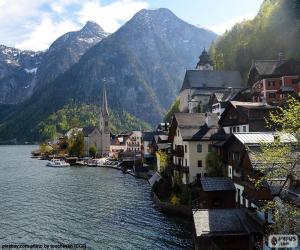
[(205, 63), (104, 125)]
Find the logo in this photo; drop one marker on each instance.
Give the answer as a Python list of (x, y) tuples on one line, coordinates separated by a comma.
[(283, 240)]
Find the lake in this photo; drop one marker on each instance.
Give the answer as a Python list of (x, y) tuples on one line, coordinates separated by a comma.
[(101, 208)]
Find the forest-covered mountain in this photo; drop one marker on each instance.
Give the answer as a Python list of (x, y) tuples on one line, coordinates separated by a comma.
[(275, 29), (142, 65)]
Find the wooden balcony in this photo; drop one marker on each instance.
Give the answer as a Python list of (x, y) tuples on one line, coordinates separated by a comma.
[(180, 168), (178, 151)]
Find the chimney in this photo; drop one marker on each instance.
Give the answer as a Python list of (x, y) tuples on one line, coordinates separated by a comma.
[(208, 120)]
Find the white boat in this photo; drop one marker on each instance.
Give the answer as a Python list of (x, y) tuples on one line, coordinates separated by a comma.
[(57, 163)]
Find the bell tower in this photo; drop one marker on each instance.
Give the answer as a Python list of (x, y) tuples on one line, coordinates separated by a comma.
[(104, 124), (205, 63)]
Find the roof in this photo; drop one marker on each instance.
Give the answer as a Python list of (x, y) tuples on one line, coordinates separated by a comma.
[(211, 78), (210, 184), (252, 105), (256, 138), (226, 95), (88, 130), (267, 67), (204, 58), (192, 126), (211, 222), (148, 136)]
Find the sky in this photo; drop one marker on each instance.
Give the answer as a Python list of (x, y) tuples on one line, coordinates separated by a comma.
[(35, 24)]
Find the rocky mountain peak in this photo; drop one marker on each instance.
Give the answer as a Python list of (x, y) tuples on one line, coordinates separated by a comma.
[(92, 28)]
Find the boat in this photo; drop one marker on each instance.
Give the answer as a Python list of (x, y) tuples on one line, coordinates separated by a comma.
[(57, 163)]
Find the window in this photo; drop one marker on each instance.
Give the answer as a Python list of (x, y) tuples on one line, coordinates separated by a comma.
[(185, 148), (210, 148), (244, 129), (199, 148), (269, 84), (186, 162), (230, 130), (234, 129), (237, 129), (199, 164), (272, 95), (236, 156)]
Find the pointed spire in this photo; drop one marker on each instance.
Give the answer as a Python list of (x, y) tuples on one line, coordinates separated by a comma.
[(104, 102)]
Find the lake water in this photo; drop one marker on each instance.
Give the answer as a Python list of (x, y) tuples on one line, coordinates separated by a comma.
[(102, 208)]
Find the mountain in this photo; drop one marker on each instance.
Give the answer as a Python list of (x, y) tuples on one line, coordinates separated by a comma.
[(23, 71), (142, 65), (17, 71), (275, 29), (67, 50)]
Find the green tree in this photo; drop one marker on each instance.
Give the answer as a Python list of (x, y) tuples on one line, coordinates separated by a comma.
[(164, 160), (93, 151), (214, 164), (280, 160), (76, 145), (174, 108)]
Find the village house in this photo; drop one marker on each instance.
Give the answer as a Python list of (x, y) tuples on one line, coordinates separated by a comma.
[(245, 116), (192, 136), (118, 145), (201, 83), (243, 167), (273, 80), (227, 229), (217, 192), (219, 100), (134, 142)]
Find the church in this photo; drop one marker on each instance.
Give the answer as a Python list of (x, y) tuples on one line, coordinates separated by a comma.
[(200, 83), (99, 136)]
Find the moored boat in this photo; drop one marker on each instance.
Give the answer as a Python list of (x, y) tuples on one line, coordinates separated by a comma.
[(57, 163)]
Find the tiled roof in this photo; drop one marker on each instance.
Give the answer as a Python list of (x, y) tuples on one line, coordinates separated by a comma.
[(211, 78), (192, 126), (210, 222), (268, 67), (217, 184)]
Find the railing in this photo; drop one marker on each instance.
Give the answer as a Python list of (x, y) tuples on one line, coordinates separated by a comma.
[(178, 151), (181, 168)]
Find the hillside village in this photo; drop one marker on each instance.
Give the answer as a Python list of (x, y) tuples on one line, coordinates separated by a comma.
[(206, 161)]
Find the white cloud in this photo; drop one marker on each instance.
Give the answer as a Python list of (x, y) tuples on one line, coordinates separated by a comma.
[(220, 28), (35, 24), (109, 16), (45, 33)]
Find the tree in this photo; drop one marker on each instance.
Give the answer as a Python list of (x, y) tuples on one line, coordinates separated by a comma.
[(281, 160), (174, 108), (163, 159), (214, 164), (76, 144), (93, 151)]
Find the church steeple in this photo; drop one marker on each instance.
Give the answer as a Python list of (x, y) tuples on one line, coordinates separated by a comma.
[(205, 63), (104, 102), (104, 119)]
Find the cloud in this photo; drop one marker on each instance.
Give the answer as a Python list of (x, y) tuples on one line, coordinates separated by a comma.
[(35, 24), (110, 16), (220, 28), (45, 33)]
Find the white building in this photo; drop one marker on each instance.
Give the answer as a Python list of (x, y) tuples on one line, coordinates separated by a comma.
[(192, 136)]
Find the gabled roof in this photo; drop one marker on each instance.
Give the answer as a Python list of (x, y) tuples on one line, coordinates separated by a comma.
[(192, 126), (210, 184), (252, 105), (88, 130), (226, 95), (148, 136), (276, 67), (211, 79)]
